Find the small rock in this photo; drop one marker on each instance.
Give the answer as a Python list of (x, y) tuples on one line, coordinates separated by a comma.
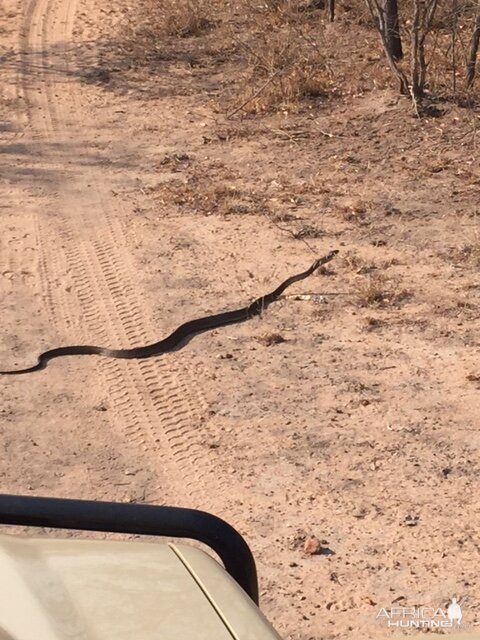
[(312, 546), (268, 339), (411, 520)]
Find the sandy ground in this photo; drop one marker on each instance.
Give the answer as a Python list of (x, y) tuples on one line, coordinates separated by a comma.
[(130, 204)]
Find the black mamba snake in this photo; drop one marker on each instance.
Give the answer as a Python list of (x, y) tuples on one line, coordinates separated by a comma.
[(180, 336)]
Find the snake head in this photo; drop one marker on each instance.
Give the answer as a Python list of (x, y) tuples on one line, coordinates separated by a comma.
[(324, 260)]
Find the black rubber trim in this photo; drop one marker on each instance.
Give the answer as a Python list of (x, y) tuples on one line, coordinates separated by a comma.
[(174, 522)]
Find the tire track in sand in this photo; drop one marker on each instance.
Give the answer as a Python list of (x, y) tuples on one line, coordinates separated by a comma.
[(154, 400)]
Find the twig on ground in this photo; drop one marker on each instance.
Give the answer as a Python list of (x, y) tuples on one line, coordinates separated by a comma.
[(331, 135), (290, 232)]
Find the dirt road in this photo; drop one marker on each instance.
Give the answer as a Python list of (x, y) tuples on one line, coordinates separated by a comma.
[(358, 426)]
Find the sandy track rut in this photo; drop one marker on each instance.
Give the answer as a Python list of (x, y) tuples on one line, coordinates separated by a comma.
[(87, 278)]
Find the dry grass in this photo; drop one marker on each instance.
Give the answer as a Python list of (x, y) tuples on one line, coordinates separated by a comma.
[(468, 254), (270, 338), (372, 291), (283, 79), (377, 291), (283, 57), (145, 26), (308, 231), (197, 194), (357, 211), (374, 324), (358, 264), (278, 46)]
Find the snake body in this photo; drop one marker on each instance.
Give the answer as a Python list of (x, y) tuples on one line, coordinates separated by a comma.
[(183, 334)]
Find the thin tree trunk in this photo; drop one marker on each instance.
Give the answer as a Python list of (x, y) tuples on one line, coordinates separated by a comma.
[(416, 46), (331, 10), (378, 15), (424, 11), (474, 44), (392, 26), (454, 27)]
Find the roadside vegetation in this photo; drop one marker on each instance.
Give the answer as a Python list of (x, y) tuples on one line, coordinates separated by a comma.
[(284, 52)]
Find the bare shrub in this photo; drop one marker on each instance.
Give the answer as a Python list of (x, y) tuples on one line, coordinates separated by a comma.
[(468, 254), (376, 290), (283, 58), (152, 19), (284, 75), (441, 38)]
